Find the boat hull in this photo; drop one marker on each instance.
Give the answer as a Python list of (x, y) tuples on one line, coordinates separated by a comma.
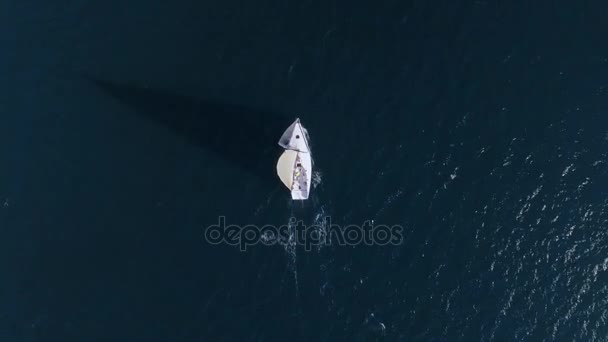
[(294, 167), (302, 177)]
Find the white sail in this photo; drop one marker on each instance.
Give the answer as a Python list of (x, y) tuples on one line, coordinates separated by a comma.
[(295, 138), (285, 167)]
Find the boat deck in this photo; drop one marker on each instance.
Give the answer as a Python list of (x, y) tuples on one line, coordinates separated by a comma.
[(300, 183)]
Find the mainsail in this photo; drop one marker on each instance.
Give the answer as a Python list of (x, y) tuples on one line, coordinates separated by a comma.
[(285, 166)]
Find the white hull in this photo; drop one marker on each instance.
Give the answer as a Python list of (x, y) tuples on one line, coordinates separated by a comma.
[(302, 177), (295, 164)]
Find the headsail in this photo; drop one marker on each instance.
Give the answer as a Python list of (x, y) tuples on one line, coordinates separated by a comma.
[(295, 138)]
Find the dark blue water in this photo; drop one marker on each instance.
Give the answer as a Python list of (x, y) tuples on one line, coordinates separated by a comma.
[(127, 127)]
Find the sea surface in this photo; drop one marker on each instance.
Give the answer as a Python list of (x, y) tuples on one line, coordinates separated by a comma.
[(129, 127)]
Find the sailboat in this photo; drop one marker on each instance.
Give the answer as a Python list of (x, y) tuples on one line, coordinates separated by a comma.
[(294, 166)]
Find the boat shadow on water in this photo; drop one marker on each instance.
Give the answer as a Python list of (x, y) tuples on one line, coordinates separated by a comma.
[(245, 137)]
